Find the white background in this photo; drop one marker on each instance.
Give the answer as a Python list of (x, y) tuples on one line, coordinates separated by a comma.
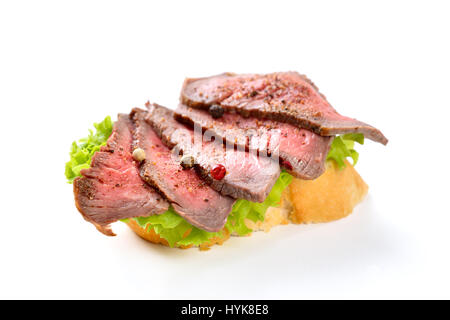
[(65, 65)]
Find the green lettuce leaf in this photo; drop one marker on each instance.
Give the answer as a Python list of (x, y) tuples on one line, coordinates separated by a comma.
[(342, 147), (172, 227), (82, 151), (244, 209)]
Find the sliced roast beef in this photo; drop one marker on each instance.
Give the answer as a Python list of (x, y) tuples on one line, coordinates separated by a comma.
[(248, 176), (190, 196), (111, 189), (302, 153), (285, 96)]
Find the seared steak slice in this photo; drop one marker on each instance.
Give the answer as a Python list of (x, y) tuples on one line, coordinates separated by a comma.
[(302, 153), (248, 176), (284, 96), (111, 189), (190, 196)]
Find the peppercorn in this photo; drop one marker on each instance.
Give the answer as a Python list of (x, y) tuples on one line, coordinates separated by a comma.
[(139, 154), (216, 111), (187, 162), (218, 172)]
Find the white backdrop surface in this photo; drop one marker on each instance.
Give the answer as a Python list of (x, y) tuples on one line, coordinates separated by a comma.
[(65, 65)]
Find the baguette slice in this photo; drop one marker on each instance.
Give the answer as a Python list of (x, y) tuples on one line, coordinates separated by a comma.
[(330, 197)]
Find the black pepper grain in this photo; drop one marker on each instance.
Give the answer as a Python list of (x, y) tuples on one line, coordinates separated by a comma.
[(216, 111), (187, 162)]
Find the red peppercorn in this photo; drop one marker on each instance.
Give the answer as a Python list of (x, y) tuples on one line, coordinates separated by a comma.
[(218, 172)]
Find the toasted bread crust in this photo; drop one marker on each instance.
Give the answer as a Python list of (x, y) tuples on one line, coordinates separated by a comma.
[(330, 197)]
